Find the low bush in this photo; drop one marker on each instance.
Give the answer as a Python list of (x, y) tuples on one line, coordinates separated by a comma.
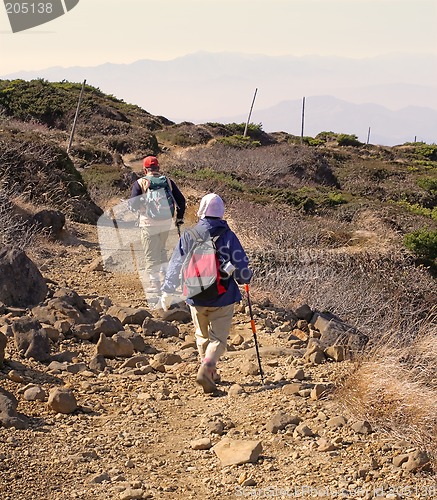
[(239, 141), (428, 184), (348, 140), (422, 243)]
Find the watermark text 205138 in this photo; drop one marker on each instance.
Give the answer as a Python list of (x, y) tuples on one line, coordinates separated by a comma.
[(29, 7), (25, 15)]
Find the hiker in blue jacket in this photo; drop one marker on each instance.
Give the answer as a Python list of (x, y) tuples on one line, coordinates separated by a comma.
[(212, 318)]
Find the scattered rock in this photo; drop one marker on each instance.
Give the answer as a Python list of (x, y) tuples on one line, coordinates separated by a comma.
[(235, 390), (9, 417), (336, 332), (249, 368), (3, 342), (105, 347), (35, 393), (296, 374), (201, 444), (123, 346), (320, 390), (22, 284), (62, 400), (52, 222), (336, 422), (304, 312), (398, 460), (132, 494), (109, 325), (417, 460), (167, 358), (236, 452), (237, 339), (361, 427), (15, 376), (291, 389), (151, 326), (98, 363), (336, 352), (324, 445), (30, 339), (303, 430), (280, 420)]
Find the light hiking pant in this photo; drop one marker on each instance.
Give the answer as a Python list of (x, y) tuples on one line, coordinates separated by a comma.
[(153, 241), (212, 325)]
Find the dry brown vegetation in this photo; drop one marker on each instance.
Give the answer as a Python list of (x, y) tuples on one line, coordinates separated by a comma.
[(319, 224), (347, 259), (395, 385)]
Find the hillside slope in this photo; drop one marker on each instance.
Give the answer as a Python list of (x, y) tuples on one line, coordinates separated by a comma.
[(324, 223)]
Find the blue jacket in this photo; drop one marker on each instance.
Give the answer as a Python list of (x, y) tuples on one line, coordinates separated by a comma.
[(229, 248)]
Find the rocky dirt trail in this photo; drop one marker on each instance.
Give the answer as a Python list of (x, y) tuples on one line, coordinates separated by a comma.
[(143, 429)]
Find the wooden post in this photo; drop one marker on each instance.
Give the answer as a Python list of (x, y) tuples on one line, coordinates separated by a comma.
[(303, 120), (368, 136), (250, 112), (75, 117)]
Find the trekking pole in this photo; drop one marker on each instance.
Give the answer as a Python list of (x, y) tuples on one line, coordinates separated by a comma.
[(252, 323)]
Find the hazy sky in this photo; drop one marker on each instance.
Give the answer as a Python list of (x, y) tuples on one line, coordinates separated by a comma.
[(123, 31)]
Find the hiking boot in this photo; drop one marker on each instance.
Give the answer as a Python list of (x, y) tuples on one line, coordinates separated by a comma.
[(205, 378), (216, 376)]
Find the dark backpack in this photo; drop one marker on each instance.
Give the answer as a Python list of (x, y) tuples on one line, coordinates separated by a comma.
[(202, 276), (157, 199)]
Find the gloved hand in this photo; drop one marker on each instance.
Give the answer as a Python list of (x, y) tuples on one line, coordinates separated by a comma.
[(166, 301), (179, 222)]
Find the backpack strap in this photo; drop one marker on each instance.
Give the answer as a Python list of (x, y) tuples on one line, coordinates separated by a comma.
[(144, 183), (198, 238), (169, 182)]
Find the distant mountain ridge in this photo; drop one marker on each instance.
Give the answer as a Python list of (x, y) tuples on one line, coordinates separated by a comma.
[(326, 113), (203, 87)]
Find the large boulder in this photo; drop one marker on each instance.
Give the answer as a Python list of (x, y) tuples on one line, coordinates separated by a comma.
[(129, 315), (51, 222), (66, 305), (333, 331), (31, 339), (3, 342), (9, 417), (22, 284)]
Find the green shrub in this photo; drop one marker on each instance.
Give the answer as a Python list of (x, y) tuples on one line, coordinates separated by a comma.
[(348, 140), (238, 128), (101, 174), (327, 136), (423, 243), (426, 151), (314, 142), (428, 184), (210, 174), (239, 141), (417, 209), (334, 199)]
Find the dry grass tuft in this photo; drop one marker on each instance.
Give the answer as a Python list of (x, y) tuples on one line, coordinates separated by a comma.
[(394, 387)]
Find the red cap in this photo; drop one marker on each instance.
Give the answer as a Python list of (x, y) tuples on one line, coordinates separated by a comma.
[(150, 161)]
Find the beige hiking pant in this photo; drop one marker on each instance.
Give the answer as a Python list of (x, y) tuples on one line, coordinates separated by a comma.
[(212, 325), (153, 241)]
